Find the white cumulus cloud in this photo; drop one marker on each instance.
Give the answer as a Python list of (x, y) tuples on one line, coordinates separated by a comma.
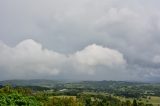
[(30, 59), (94, 55)]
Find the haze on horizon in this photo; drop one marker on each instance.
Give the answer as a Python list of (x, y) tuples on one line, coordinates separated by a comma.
[(80, 39)]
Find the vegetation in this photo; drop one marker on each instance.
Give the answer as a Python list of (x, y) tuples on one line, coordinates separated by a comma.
[(17, 97), (86, 93)]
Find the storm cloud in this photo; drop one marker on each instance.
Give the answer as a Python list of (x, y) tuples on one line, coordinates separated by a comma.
[(107, 39)]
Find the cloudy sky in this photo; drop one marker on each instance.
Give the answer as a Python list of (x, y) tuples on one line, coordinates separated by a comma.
[(80, 39)]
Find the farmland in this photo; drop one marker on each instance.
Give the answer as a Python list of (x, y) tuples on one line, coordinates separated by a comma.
[(81, 93)]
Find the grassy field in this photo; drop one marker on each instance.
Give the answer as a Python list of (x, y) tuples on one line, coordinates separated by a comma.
[(149, 100), (123, 98), (153, 100), (64, 96)]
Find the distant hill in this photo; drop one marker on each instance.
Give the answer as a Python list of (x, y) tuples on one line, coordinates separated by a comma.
[(34, 82), (73, 84)]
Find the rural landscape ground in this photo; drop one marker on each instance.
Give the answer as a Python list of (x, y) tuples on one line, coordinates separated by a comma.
[(79, 93)]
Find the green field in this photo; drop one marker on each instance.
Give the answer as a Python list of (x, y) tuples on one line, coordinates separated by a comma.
[(63, 96), (155, 100)]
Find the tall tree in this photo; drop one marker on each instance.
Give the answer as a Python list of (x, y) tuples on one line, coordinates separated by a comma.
[(135, 102)]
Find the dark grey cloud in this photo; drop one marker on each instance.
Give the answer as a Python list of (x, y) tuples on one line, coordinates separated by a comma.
[(130, 27)]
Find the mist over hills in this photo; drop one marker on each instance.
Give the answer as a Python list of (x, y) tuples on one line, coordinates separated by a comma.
[(53, 83)]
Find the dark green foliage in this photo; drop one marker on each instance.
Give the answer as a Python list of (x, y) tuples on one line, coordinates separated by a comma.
[(17, 97), (135, 103)]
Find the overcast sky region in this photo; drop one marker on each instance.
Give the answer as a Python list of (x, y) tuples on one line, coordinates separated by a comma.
[(80, 39)]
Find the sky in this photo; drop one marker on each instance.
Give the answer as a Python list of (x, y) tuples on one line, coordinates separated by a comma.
[(80, 39)]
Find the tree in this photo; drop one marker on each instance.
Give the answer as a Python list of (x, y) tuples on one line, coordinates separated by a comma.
[(128, 103), (135, 102)]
